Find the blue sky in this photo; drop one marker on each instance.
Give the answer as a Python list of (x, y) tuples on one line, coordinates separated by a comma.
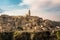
[(11, 4), (49, 9)]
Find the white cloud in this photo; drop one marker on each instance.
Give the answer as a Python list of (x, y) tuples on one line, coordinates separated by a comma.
[(37, 8), (15, 12), (56, 1), (34, 4)]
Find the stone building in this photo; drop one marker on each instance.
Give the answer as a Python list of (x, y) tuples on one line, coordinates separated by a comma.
[(29, 22)]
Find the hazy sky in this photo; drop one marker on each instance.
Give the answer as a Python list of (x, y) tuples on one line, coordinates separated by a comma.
[(47, 9)]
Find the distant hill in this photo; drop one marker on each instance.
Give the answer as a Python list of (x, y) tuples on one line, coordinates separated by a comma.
[(56, 23)]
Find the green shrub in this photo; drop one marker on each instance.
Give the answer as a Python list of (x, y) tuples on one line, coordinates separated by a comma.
[(16, 33), (20, 35), (58, 35)]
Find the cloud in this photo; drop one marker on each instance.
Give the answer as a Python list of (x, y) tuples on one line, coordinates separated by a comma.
[(48, 9), (15, 12), (41, 4)]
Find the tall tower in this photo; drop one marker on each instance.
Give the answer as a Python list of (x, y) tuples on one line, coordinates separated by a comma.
[(29, 13)]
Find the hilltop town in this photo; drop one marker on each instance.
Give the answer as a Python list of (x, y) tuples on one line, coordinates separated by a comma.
[(28, 22)]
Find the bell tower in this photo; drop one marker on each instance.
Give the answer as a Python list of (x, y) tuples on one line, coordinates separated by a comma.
[(29, 13)]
